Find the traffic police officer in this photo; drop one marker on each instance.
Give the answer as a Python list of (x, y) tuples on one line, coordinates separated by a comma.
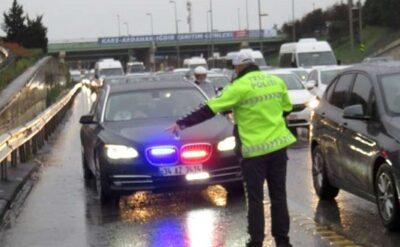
[(200, 75), (259, 103)]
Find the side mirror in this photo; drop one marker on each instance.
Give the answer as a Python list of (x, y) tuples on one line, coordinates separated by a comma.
[(355, 112), (87, 119), (339, 62), (310, 85)]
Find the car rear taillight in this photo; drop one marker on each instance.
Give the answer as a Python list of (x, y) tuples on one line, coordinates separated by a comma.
[(162, 155), (195, 153)]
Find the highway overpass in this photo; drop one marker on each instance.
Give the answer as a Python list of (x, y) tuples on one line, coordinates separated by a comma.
[(163, 46)]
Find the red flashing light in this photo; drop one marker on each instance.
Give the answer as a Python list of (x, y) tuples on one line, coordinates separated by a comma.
[(195, 153)]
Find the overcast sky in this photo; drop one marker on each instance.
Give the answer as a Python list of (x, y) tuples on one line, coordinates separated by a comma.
[(76, 19)]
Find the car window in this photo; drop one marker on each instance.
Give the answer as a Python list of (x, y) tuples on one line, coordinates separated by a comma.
[(328, 75), (285, 60), (329, 91), (391, 92), (361, 93), (340, 94), (313, 77), (99, 106)]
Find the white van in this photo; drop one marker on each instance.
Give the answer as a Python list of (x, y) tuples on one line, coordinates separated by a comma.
[(192, 63), (306, 53), (108, 67), (257, 56)]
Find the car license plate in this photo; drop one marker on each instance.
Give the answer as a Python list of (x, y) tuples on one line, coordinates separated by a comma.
[(180, 170)]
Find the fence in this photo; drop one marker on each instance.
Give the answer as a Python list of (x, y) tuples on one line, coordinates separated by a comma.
[(18, 145)]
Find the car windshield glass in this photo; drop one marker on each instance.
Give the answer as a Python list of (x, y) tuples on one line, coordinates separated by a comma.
[(292, 82), (302, 74), (155, 103), (316, 58), (111, 72), (328, 76), (219, 81), (391, 92)]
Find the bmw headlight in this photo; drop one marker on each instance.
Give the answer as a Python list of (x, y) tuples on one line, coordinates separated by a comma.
[(314, 103), (227, 144), (120, 152)]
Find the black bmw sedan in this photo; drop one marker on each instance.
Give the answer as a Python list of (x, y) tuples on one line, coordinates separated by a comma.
[(126, 147), (355, 138)]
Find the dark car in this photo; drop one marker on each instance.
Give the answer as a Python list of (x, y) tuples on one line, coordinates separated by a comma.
[(356, 138), (126, 147)]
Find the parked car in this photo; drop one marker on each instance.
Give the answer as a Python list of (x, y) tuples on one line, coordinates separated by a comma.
[(356, 135), (126, 147), (320, 77)]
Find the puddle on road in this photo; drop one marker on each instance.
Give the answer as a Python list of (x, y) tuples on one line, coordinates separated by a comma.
[(145, 206)]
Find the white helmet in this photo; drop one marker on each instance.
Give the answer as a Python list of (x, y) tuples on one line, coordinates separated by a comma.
[(200, 70), (243, 57)]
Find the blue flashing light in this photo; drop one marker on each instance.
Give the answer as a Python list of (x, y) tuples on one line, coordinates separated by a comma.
[(162, 155)]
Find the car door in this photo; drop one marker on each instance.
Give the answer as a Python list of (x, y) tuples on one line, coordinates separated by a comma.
[(91, 130), (332, 114), (359, 147)]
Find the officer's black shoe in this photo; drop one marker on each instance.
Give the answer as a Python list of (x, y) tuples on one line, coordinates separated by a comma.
[(283, 242), (254, 244)]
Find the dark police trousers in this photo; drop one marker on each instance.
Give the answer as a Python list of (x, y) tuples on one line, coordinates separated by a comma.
[(272, 168)]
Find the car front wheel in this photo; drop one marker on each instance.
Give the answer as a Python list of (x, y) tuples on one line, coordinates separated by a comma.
[(322, 187), (387, 198)]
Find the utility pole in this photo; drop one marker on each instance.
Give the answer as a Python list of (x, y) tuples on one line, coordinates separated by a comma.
[(293, 22), (119, 26), (178, 56), (260, 25), (247, 15), (351, 27), (189, 19), (212, 32)]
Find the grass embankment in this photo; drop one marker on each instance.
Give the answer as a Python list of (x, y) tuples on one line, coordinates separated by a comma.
[(374, 38), (24, 59)]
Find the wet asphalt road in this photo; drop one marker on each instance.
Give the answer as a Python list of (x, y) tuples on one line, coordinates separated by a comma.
[(62, 211)]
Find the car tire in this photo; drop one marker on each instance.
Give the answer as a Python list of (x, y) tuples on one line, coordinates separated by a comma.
[(386, 198), (322, 186), (103, 188), (235, 189)]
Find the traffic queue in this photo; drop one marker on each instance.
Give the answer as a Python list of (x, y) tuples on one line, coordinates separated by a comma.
[(349, 112)]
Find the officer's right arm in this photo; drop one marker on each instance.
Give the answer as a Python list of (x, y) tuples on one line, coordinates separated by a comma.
[(286, 103), (228, 99)]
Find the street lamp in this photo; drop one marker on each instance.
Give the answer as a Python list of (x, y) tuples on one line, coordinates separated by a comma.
[(177, 33), (239, 22), (151, 23), (212, 31), (119, 25), (127, 28)]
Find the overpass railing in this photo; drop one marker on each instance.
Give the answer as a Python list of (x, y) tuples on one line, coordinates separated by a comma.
[(18, 145)]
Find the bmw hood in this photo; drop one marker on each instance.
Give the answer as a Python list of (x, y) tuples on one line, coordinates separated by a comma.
[(146, 132)]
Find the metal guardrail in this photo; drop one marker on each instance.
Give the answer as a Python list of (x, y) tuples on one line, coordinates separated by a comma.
[(18, 145)]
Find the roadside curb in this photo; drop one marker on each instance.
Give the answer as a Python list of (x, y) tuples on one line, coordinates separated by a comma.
[(10, 189)]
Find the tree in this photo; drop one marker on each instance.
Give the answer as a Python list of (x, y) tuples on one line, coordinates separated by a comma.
[(36, 34), (14, 23)]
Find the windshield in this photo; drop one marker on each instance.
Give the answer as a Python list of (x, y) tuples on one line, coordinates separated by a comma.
[(155, 103), (292, 82), (328, 76), (111, 72), (391, 92), (302, 74), (219, 81), (260, 62), (310, 59)]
